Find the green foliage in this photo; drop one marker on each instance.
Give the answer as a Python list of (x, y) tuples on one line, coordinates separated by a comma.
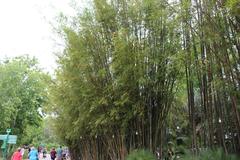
[(210, 155), (234, 6), (32, 135), (23, 93), (42, 135), (133, 71), (106, 74), (140, 155)]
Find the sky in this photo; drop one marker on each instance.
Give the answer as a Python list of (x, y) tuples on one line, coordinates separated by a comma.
[(26, 28)]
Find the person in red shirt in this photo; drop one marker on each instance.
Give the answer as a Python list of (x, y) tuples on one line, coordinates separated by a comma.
[(17, 155)]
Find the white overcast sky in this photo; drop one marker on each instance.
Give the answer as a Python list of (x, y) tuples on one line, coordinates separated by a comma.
[(25, 29)]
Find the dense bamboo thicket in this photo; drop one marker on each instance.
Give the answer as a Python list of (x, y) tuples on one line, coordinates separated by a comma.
[(124, 65)]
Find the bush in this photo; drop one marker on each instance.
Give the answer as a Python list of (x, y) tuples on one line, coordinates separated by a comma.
[(211, 155), (141, 155)]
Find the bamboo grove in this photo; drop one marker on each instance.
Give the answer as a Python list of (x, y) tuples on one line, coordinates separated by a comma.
[(124, 64)]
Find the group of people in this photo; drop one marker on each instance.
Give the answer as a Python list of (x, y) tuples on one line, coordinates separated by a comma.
[(60, 154), (32, 155), (41, 153)]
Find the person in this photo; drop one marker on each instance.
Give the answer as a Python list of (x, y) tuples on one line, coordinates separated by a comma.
[(59, 153), (22, 151), (29, 150), (44, 153), (17, 155), (64, 152), (53, 154), (33, 154), (67, 154)]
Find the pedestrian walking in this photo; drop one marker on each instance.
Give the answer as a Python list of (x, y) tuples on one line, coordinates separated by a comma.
[(22, 151), (59, 153), (17, 155), (53, 154), (33, 154), (44, 153)]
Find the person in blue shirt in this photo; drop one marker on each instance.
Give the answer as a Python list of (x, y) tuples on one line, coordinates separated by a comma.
[(59, 153), (33, 154)]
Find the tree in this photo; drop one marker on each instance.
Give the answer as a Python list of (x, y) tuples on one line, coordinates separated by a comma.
[(116, 79), (123, 63), (23, 93)]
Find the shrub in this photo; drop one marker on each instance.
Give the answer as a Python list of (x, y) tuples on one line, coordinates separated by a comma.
[(141, 155), (217, 154)]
